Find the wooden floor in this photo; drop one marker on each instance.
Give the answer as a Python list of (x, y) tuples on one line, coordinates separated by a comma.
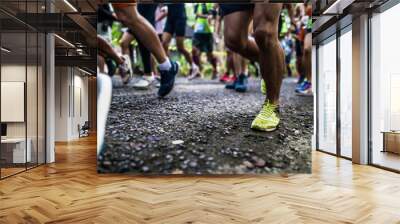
[(70, 191)]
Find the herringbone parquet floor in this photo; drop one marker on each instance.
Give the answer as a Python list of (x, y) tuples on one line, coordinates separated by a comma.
[(70, 191)]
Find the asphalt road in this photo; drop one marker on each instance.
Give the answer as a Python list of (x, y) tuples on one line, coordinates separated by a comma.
[(202, 128)]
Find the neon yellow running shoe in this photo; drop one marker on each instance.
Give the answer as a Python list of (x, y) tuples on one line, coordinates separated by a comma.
[(267, 119), (263, 87)]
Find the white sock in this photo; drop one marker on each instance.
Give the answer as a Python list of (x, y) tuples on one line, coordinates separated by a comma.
[(165, 66)]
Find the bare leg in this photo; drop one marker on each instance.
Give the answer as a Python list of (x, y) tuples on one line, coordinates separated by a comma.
[(143, 30), (181, 48), (213, 61), (125, 42), (108, 49), (154, 66), (236, 34), (237, 64), (101, 63), (229, 61), (166, 40), (196, 56), (307, 56), (244, 65), (271, 58)]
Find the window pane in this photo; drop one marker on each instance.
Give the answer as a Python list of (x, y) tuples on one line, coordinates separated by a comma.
[(346, 93), (327, 96), (14, 153)]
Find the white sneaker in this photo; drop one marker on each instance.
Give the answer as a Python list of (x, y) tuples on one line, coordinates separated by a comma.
[(142, 83), (125, 69), (151, 78), (128, 63), (195, 72)]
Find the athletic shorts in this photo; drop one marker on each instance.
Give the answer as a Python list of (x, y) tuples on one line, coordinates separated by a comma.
[(203, 41), (175, 25), (226, 9)]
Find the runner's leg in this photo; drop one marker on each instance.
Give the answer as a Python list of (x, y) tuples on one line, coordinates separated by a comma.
[(307, 56), (236, 34), (128, 14), (142, 30), (271, 57), (101, 63), (181, 48), (213, 61), (125, 42), (105, 47), (166, 40)]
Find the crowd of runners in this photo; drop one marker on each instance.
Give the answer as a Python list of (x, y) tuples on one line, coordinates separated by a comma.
[(275, 39)]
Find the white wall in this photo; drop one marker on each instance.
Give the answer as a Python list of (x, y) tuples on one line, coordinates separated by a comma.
[(15, 73), (33, 127), (71, 102)]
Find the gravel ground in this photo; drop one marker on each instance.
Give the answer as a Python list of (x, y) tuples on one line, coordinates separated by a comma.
[(202, 128)]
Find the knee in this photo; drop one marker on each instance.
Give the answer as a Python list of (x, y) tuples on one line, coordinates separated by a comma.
[(266, 37), (234, 42)]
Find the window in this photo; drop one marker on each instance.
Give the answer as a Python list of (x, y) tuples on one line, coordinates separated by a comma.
[(22, 78), (346, 95), (327, 96), (385, 89)]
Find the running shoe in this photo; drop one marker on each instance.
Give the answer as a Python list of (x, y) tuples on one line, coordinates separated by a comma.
[(263, 87), (168, 79), (128, 63), (241, 84), (300, 86), (231, 85), (231, 79), (267, 119), (224, 78), (301, 79), (143, 82), (125, 70), (194, 72), (307, 90)]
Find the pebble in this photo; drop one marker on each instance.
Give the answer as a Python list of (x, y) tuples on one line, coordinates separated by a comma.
[(177, 142), (145, 169), (193, 164), (260, 163), (248, 164)]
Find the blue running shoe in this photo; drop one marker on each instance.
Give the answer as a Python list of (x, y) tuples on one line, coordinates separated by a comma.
[(232, 84), (168, 79), (241, 84), (301, 86), (307, 90)]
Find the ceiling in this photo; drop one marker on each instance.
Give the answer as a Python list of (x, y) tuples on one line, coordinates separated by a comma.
[(72, 20), (327, 13)]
